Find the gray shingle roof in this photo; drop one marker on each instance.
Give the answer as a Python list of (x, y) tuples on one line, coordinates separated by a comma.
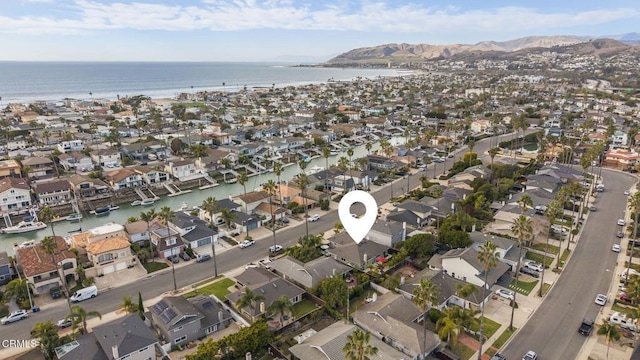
[(129, 335)]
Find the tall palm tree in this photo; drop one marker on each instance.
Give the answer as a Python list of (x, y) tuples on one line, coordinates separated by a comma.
[(250, 299), (277, 169), (165, 216), (424, 296), (471, 144), (50, 246), (610, 332), (79, 316), (525, 202), (634, 205), (350, 154), (270, 187), (148, 217), (488, 257), (357, 346), (47, 334), (326, 152), (281, 307), (368, 146), (574, 190), (551, 214), (492, 154), (242, 180), (522, 228), (227, 215), (47, 215), (303, 182), (211, 206)]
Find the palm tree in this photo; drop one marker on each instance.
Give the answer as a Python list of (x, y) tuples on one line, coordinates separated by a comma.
[(610, 332), (357, 346), (488, 257), (522, 228), (326, 152), (79, 316), (128, 305), (250, 299), (634, 205), (448, 326), (277, 169), (50, 246), (492, 154), (165, 216), (368, 146), (211, 206), (551, 213), (437, 193), (525, 202), (46, 216), (303, 182), (270, 187), (242, 180), (424, 296), (465, 291), (227, 215), (350, 154), (471, 144), (148, 217), (281, 307), (47, 334)]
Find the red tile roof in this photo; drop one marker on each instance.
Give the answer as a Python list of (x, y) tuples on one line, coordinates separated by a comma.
[(34, 260)]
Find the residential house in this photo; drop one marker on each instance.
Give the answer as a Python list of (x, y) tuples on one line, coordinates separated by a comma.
[(382, 163), (466, 177), (5, 268), (15, 196), (193, 230), (52, 193), (137, 151), (184, 170), (71, 145), (208, 163), (76, 161), (17, 144), (45, 270), (222, 204), (356, 255), (619, 139), (107, 247), (86, 188), (137, 231), (308, 274), (507, 249), (394, 319), (242, 222), (39, 168), (412, 212), (263, 282), (463, 264), (328, 344), (106, 157), (251, 200), (286, 193), (265, 210), (181, 320), (387, 233), (151, 176), (166, 241), (124, 179), (448, 290), (622, 158), (125, 338)]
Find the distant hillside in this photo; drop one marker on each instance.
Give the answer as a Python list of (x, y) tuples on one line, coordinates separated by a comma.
[(401, 53)]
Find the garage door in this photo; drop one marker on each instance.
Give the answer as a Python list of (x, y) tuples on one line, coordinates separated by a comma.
[(121, 266), (108, 269)]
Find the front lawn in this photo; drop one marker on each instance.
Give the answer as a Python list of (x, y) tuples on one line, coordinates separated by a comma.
[(502, 339), (563, 257), (154, 266), (219, 288), (542, 259), (463, 350), (543, 247), (490, 327), (524, 287), (302, 308)]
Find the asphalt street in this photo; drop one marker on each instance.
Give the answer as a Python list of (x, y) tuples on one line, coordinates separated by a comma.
[(552, 331), (155, 285)]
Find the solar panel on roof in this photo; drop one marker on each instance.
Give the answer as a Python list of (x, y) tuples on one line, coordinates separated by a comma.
[(165, 318), (170, 313)]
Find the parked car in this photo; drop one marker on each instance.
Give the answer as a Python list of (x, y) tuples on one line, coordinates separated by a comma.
[(621, 222), (55, 292), (203, 258), (498, 356), (534, 266), (601, 299), (507, 294), (14, 316), (64, 323), (527, 271), (184, 256), (530, 355), (619, 234), (615, 248), (314, 217), (285, 220), (592, 208), (275, 249), (624, 297), (265, 263), (247, 243), (174, 259), (626, 192), (585, 327)]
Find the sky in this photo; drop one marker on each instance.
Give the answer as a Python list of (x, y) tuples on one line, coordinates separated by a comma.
[(283, 30)]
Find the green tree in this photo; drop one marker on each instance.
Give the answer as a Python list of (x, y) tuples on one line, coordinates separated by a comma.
[(447, 326), (47, 335), (551, 214), (79, 316), (303, 183), (281, 307), (128, 305), (522, 228), (358, 347), (634, 206), (140, 306), (249, 299), (488, 257), (148, 217), (227, 215), (333, 291), (611, 332), (464, 291), (165, 216), (211, 206), (47, 215), (424, 296), (277, 169), (270, 188)]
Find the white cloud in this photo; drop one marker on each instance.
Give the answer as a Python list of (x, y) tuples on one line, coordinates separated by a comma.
[(378, 16)]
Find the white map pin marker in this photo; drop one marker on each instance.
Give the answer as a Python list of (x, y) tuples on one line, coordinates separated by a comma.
[(358, 228)]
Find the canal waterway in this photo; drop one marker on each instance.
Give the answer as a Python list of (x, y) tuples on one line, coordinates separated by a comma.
[(194, 198)]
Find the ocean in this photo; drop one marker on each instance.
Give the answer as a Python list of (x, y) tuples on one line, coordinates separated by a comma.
[(31, 81)]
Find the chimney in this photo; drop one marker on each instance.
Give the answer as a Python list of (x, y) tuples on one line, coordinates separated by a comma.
[(364, 258), (404, 230), (262, 307), (114, 351), (401, 280), (473, 228), (220, 315)]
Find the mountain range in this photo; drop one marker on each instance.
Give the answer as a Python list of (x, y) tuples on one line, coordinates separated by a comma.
[(402, 53)]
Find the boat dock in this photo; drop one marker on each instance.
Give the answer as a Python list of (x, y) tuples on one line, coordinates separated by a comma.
[(212, 183), (174, 190)]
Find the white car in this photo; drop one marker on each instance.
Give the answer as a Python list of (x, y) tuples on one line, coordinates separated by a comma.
[(507, 294), (315, 217), (14, 316), (626, 192), (64, 323), (530, 355), (274, 249), (250, 266), (534, 266), (558, 229), (615, 248), (601, 299), (247, 243), (621, 222)]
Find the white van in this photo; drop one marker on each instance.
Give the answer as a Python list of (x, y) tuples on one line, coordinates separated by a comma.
[(84, 294)]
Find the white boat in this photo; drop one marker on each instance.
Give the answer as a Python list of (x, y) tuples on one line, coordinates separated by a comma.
[(24, 226), (147, 202), (104, 210), (114, 207), (314, 169), (136, 203), (26, 244)]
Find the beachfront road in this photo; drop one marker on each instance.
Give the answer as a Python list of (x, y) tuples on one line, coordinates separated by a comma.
[(155, 285)]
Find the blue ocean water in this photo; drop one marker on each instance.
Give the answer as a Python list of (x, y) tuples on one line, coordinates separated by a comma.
[(30, 81)]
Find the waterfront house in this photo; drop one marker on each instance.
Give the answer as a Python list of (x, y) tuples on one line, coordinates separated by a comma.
[(265, 210), (52, 193), (251, 200), (151, 176), (382, 163), (184, 170), (106, 157), (125, 338), (138, 151), (193, 230), (5, 268), (87, 188), (71, 145), (16, 144), (76, 161), (137, 231), (124, 179), (263, 282), (208, 163), (38, 168), (9, 168), (222, 204), (166, 241), (107, 247), (15, 196), (180, 320), (308, 274), (44, 270), (285, 192)]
